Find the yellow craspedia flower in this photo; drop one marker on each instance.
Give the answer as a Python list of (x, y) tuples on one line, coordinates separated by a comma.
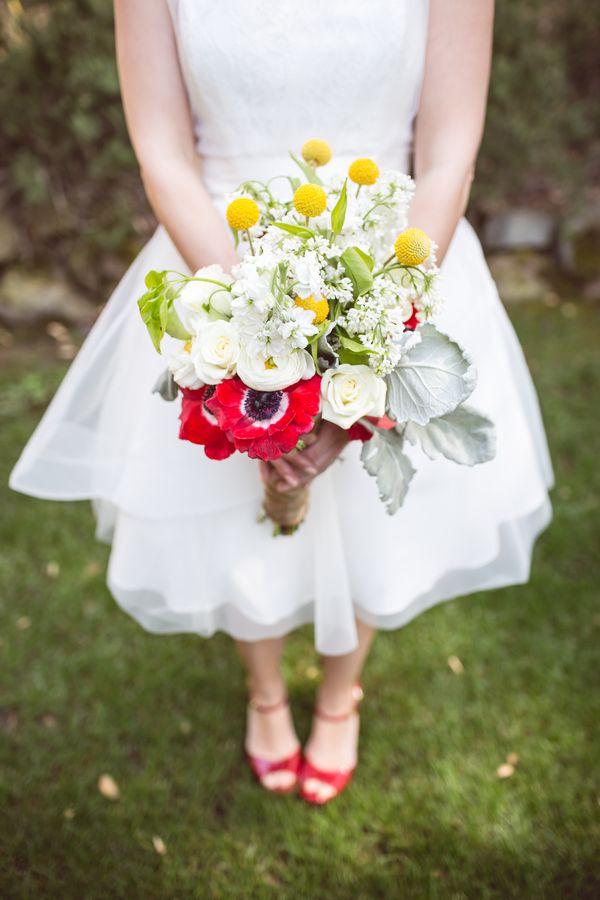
[(317, 152), (363, 171), (412, 247), (319, 307), (310, 200), (243, 213)]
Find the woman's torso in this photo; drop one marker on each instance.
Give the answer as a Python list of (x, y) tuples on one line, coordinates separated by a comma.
[(265, 76)]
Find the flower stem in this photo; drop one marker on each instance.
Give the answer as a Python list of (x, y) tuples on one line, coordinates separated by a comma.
[(250, 242)]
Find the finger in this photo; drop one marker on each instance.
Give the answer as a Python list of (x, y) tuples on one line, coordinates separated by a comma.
[(300, 460), (310, 438), (265, 471), (286, 472)]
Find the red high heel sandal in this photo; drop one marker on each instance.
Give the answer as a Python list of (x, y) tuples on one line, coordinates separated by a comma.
[(262, 767), (338, 779)]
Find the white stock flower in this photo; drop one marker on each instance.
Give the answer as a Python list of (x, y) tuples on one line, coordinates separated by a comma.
[(275, 373), (306, 272), (199, 298), (215, 351), (182, 368), (350, 392)]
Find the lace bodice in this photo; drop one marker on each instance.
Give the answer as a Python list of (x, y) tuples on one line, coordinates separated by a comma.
[(265, 76)]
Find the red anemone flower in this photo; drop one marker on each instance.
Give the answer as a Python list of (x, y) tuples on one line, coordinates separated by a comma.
[(199, 425), (266, 424)]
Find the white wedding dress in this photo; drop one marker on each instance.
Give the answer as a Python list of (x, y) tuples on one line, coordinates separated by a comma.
[(188, 553)]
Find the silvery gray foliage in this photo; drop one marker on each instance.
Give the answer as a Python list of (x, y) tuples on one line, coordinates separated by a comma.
[(166, 386), (383, 457), (432, 379), (463, 436), (326, 355)]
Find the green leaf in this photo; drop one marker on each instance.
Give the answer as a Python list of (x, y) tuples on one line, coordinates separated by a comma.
[(175, 326), (154, 279), (150, 313), (368, 260), (338, 213), (354, 359), (309, 172), (356, 264), (351, 344), (299, 230)]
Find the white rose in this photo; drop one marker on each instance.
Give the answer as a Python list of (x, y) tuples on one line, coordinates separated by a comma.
[(215, 351), (275, 374), (199, 300), (350, 392), (183, 369)]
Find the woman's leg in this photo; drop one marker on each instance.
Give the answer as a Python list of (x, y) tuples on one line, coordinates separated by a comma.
[(333, 745), (270, 735)]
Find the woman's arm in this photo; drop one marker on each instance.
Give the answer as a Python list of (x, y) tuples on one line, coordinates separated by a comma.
[(160, 127), (451, 113)]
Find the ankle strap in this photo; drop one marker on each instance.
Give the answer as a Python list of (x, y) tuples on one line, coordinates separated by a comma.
[(357, 696), (259, 707)]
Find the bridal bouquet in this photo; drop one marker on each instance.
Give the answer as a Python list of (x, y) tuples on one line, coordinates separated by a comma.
[(329, 315)]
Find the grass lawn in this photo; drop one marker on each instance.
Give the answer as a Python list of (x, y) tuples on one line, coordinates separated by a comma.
[(85, 692)]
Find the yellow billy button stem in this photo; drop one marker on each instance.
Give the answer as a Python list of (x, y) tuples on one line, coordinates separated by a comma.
[(242, 214), (412, 247), (319, 307), (316, 152), (310, 200), (363, 171)]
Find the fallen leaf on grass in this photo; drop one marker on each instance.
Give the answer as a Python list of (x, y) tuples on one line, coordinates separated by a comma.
[(23, 623), (52, 570), (159, 845), (49, 721), (456, 665), (92, 569), (512, 759), (69, 813), (505, 770), (108, 787), (185, 727)]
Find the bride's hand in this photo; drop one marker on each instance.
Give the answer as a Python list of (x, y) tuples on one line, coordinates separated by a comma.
[(300, 466)]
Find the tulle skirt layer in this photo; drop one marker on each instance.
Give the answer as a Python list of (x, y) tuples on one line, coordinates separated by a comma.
[(188, 553)]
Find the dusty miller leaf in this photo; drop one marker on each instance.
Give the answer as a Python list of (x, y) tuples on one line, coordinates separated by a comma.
[(432, 379), (166, 386), (383, 457), (463, 436)]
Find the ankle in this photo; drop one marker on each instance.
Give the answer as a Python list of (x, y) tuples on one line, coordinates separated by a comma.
[(267, 693), (338, 701)]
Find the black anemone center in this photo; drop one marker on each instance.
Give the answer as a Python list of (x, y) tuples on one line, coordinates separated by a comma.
[(262, 405), (208, 393)]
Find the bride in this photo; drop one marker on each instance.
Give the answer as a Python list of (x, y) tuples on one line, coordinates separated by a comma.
[(215, 94)]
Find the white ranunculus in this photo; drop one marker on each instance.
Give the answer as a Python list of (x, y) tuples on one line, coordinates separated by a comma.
[(183, 369), (215, 351), (275, 374), (200, 300), (350, 392)]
